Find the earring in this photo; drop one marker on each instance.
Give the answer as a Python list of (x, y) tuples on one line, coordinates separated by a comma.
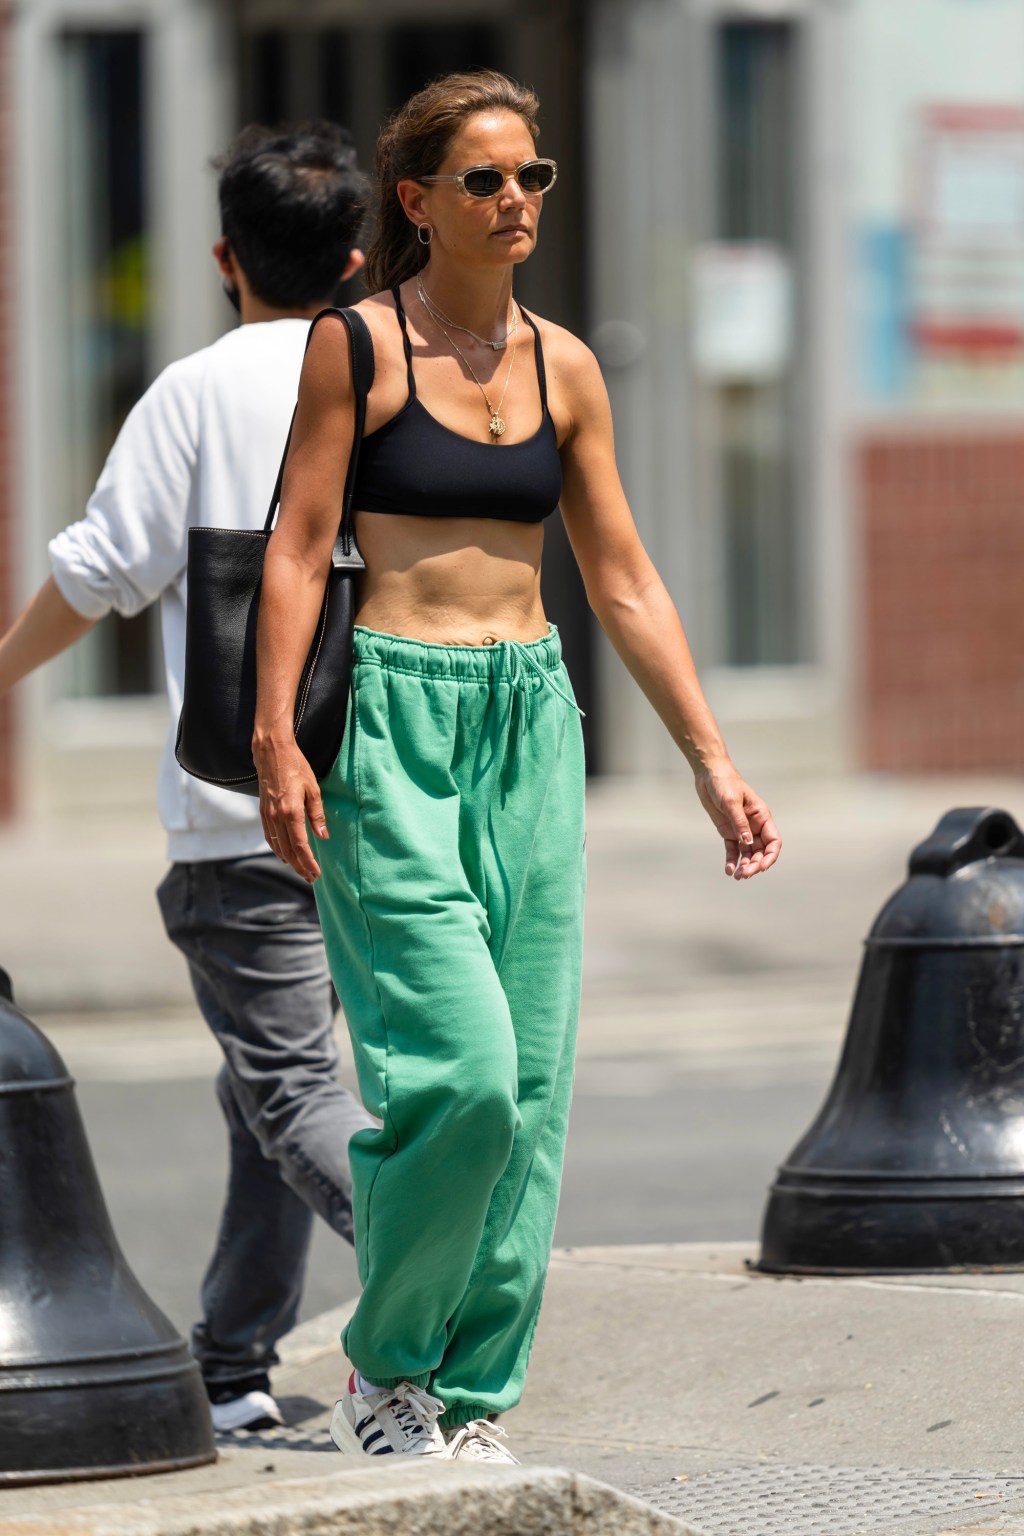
[(419, 233)]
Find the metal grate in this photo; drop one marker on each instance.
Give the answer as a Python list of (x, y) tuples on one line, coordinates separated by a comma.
[(831, 1501), (297, 1437)]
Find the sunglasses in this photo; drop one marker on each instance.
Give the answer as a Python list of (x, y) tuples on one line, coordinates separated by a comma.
[(488, 180)]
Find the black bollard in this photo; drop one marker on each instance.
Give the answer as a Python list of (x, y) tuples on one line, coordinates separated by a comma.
[(916, 1160), (94, 1380)]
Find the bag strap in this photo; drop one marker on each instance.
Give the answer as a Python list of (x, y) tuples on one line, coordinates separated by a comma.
[(361, 351)]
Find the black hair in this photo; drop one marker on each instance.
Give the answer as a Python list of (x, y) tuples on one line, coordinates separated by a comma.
[(291, 203)]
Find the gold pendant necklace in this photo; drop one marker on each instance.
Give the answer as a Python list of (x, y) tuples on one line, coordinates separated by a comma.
[(496, 426)]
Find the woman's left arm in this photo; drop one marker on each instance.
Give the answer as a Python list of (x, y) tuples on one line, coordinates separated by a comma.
[(639, 617)]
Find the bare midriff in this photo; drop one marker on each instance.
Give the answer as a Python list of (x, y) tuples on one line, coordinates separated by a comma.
[(451, 581)]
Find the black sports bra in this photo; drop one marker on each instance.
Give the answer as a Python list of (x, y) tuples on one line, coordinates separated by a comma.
[(414, 465)]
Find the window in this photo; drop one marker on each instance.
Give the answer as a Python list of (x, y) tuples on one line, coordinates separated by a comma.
[(103, 309), (749, 277), (937, 136)]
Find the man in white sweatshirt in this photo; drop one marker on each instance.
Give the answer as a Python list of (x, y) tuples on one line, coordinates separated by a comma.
[(203, 446)]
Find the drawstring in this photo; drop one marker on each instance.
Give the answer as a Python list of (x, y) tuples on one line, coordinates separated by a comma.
[(517, 649), (520, 659)]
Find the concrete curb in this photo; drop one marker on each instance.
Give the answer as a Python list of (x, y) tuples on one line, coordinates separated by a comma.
[(404, 1500)]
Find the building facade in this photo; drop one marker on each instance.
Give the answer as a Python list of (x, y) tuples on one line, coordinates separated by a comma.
[(791, 237), (7, 413)]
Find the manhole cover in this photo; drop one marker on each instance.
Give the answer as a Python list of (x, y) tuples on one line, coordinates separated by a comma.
[(829, 1501)]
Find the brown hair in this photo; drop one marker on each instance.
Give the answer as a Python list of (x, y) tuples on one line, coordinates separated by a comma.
[(414, 142)]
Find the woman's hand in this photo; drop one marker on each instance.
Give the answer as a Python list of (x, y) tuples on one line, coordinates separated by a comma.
[(752, 841), (289, 794)]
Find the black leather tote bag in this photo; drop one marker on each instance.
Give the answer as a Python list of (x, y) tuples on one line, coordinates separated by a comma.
[(225, 569)]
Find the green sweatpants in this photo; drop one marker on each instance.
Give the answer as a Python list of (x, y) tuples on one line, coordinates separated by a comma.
[(451, 899)]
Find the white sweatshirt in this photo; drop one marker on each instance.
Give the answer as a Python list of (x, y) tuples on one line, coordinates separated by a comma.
[(203, 445)]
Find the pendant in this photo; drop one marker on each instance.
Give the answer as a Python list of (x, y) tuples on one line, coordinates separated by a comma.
[(497, 346), (496, 427)]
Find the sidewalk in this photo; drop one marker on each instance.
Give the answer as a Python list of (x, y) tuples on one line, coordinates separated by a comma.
[(737, 1404), (784, 1407)]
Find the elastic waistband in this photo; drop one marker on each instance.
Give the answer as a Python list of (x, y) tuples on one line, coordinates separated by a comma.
[(462, 663)]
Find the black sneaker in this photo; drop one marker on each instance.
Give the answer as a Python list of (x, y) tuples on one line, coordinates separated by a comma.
[(244, 1405)]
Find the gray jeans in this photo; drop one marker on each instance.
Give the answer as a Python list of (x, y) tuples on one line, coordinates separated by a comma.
[(249, 930)]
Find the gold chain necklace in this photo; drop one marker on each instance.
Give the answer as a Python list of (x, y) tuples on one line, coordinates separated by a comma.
[(496, 426), (437, 313)]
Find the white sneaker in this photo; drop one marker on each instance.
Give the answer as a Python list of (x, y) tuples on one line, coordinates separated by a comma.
[(480, 1440), (399, 1419), (253, 1410)]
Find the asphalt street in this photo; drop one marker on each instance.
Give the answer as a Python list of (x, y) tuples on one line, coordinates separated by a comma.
[(689, 1162)]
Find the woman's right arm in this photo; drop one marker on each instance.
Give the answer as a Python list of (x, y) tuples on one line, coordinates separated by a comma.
[(294, 574)]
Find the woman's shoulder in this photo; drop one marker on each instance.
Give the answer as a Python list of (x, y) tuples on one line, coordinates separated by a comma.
[(378, 310), (374, 310), (566, 355), (328, 347)]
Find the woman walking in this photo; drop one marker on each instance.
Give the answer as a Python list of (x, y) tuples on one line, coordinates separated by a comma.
[(450, 831)]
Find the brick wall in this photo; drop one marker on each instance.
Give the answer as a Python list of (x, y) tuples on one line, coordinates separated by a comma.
[(942, 663), (6, 365)]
